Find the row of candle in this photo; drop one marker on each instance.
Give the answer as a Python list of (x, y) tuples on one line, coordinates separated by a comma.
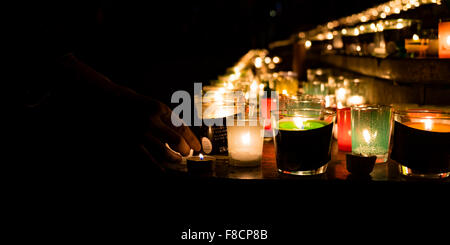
[(304, 131)]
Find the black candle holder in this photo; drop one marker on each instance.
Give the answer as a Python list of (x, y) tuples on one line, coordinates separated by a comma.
[(200, 165), (359, 165)]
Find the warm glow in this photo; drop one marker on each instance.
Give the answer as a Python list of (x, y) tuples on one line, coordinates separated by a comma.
[(327, 101), (271, 66), (341, 93), (344, 31), (356, 32), (329, 35), (358, 48), (428, 124), (218, 97), (383, 15), (399, 26), (361, 28), (254, 86), (448, 40), (284, 92), (355, 100), (299, 122), (230, 86), (329, 47), (245, 139), (261, 86), (366, 136), (276, 59), (247, 95), (415, 37), (258, 62), (308, 44), (267, 60), (339, 105), (201, 156)]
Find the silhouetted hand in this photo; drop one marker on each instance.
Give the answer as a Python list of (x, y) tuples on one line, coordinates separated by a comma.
[(160, 131)]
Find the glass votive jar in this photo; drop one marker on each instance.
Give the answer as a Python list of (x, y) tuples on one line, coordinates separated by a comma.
[(344, 123), (245, 142), (371, 129), (303, 139), (421, 143)]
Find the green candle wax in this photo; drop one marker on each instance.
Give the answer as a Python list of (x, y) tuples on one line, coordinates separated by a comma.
[(307, 125)]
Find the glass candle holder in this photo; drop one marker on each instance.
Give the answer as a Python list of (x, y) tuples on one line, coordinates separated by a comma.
[(303, 138), (245, 142), (444, 40), (371, 128), (421, 143), (344, 129)]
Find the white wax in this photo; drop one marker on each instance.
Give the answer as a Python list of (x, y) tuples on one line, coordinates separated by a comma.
[(245, 145)]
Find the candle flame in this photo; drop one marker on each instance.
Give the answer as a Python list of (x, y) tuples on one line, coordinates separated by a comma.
[(341, 93), (246, 139), (327, 101), (284, 92), (368, 137), (355, 100), (201, 156), (299, 122), (254, 86), (428, 124), (415, 37)]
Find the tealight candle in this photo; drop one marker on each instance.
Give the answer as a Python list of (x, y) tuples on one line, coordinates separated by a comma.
[(421, 143), (200, 163), (245, 143), (371, 128)]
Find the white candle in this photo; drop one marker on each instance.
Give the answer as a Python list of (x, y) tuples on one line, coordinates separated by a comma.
[(245, 143)]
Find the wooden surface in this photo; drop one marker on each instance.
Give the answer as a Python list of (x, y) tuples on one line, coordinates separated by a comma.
[(337, 169)]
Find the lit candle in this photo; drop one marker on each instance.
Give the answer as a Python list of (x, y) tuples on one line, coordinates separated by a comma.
[(371, 127), (428, 125), (245, 143), (200, 164), (344, 129), (421, 143), (303, 140), (444, 40)]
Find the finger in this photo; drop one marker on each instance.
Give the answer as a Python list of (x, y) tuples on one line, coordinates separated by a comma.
[(188, 136), (172, 137), (184, 131), (159, 150)]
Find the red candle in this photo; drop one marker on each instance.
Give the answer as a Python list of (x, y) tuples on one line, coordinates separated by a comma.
[(344, 129), (444, 40)]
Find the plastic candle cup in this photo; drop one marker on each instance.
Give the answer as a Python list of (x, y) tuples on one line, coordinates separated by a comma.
[(245, 142), (371, 128), (344, 129), (303, 140), (421, 143)]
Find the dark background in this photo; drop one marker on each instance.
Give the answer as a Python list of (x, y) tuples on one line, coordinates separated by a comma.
[(158, 47)]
